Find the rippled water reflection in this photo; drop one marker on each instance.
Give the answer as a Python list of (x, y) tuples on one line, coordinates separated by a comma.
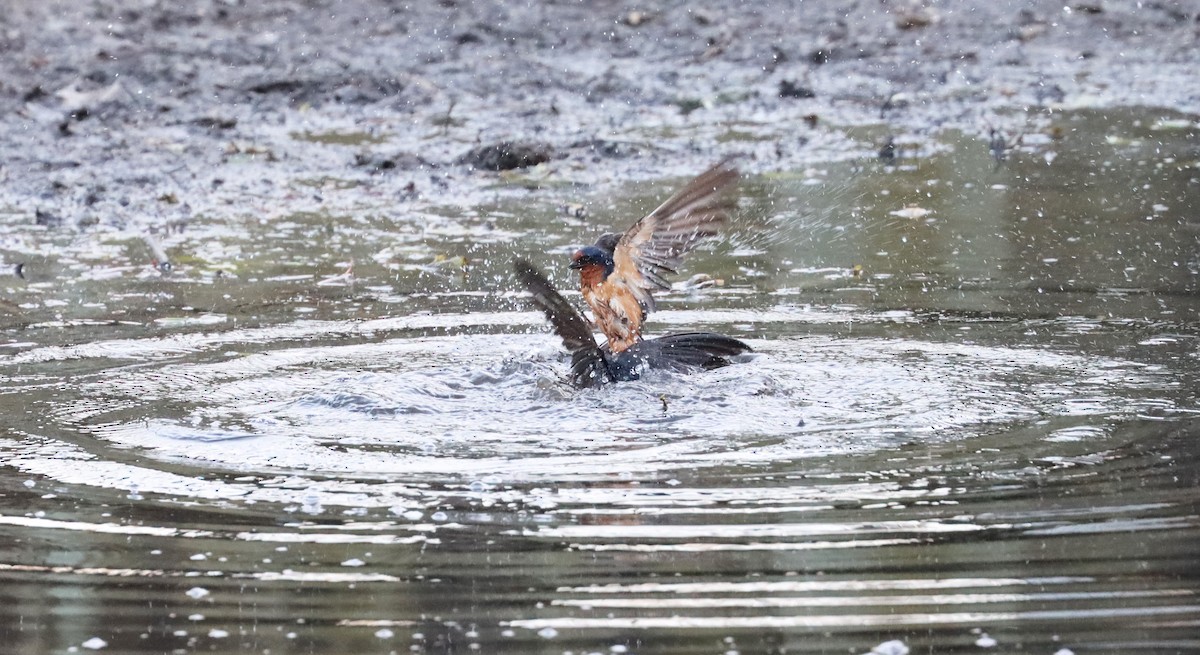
[(985, 437)]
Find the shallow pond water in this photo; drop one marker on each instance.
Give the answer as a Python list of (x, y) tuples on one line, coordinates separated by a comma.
[(970, 421)]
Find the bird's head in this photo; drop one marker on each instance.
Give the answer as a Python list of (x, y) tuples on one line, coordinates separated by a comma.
[(585, 259)]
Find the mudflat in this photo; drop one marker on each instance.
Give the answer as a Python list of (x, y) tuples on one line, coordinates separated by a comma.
[(137, 114)]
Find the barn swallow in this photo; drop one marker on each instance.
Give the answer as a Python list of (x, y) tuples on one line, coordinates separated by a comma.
[(620, 271), (594, 366)]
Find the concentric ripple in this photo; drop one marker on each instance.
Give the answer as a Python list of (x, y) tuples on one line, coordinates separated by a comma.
[(358, 424)]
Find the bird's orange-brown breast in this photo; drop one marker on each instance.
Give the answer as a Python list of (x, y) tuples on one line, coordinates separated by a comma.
[(614, 307)]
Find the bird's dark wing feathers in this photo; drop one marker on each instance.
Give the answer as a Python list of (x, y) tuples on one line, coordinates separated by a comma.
[(676, 352), (702, 349), (588, 365)]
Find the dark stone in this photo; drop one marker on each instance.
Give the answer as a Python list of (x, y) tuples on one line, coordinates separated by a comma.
[(276, 86), (507, 155), (213, 123), (887, 152), (42, 217), (36, 93), (790, 89)]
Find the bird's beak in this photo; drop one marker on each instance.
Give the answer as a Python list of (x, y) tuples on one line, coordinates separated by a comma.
[(576, 265)]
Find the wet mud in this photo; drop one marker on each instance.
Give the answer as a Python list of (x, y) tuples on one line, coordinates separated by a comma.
[(142, 115)]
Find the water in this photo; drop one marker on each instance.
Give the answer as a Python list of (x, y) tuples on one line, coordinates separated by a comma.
[(970, 422)]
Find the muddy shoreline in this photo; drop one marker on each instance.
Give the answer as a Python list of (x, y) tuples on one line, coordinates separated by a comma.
[(140, 115)]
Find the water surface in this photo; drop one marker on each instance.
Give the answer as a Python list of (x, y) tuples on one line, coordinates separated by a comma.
[(970, 421)]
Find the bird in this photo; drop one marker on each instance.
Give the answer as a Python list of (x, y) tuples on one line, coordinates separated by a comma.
[(619, 273), (594, 366)]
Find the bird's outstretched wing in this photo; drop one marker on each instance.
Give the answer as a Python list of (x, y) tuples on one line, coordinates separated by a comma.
[(654, 246), (588, 365)]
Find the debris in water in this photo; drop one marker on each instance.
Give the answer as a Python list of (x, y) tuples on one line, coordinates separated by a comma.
[(899, 100), (916, 19), (446, 121), (997, 145), (573, 209), (888, 151), (161, 261), (893, 647), (345, 278), (443, 265), (911, 211), (699, 281), (637, 18)]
